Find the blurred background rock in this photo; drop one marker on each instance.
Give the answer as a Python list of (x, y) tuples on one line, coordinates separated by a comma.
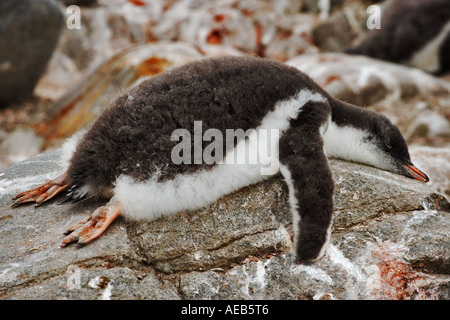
[(72, 74)]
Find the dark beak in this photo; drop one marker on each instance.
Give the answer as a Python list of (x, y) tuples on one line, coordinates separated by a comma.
[(416, 173)]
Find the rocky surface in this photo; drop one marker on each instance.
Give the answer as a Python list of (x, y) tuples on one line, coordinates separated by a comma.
[(365, 81), (390, 241), (435, 161)]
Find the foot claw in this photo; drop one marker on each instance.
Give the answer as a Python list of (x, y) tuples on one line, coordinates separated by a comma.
[(78, 225), (92, 226)]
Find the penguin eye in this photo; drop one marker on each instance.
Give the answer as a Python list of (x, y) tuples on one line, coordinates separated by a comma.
[(385, 145), (369, 139), (372, 139)]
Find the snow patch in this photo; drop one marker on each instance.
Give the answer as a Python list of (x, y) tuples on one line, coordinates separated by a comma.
[(336, 257), (313, 272), (258, 280), (99, 283), (8, 274)]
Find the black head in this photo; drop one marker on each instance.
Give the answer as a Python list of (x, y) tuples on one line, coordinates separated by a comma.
[(387, 137), (359, 135)]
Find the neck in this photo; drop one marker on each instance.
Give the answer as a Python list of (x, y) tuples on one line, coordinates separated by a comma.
[(345, 114)]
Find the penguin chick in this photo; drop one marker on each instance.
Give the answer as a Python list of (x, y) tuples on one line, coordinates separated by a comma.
[(413, 32), (131, 153)]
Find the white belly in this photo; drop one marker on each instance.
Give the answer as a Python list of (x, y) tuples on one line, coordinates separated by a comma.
[(151, 199)]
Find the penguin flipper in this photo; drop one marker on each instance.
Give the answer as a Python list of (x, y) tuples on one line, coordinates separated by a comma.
[(304, 166), (44, 192)]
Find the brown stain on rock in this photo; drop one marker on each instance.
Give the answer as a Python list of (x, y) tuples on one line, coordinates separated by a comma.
[(398, 278), (215, 37), (151, 67)]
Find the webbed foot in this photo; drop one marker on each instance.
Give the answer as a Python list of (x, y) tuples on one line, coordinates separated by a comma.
[(43, 193), (92, 226)]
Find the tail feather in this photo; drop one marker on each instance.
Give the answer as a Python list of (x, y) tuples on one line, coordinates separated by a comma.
[(76, 193)]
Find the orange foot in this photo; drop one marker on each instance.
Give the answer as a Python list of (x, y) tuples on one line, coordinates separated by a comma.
[(44, 192), (92, 226)]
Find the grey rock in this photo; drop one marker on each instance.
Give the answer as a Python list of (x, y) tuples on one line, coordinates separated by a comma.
[(99, 283), (29, 32), (329, 35), (367, 268), (365, 81), (430, 124), (390, 241), (19, 145), (435, 162)]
